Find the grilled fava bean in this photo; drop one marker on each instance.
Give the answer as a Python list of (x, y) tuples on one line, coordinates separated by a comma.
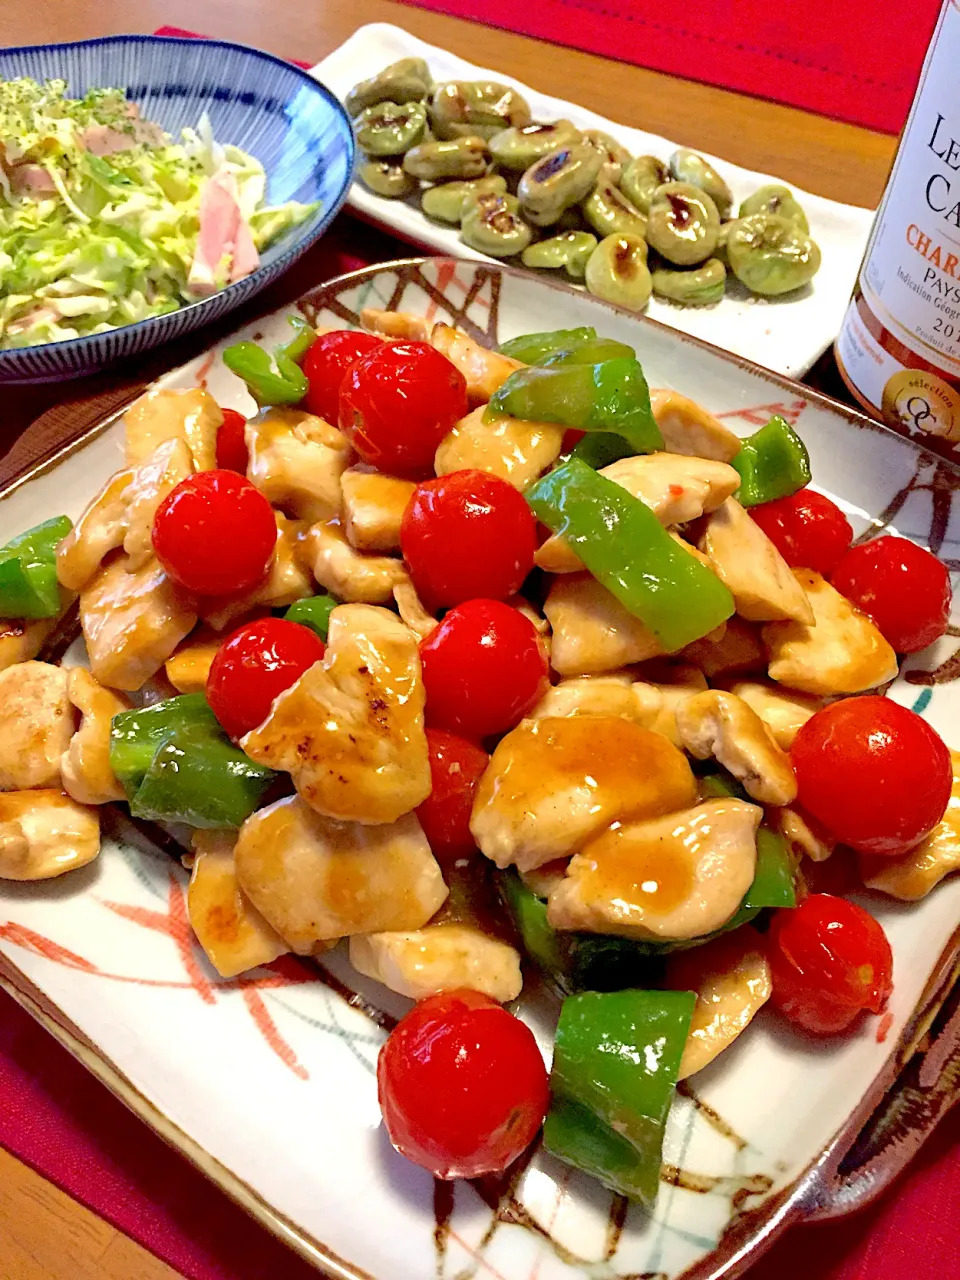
[(569, 250), (774, 198), (408, 80), (390, 129), (447, 201), (455, 158), (561, 178), (770, 254), (617, 271), (687, 166), (696, 287), (683, 224), (386, 178), (492, 224), (609, 211), (640, 180), (613, 155), (476, 108), (520, 147)]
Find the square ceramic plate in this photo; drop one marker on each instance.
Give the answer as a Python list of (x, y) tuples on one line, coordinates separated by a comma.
[(267, 1081), (786, 335)]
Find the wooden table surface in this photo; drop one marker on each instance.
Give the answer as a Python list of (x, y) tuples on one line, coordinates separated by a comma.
[(43, 1234)]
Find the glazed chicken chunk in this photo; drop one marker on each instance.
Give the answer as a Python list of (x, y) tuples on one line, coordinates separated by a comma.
[(296, 461), (191, 415), (44, 833), (440, 957), (36, 724), (228, 926), (511, 448)]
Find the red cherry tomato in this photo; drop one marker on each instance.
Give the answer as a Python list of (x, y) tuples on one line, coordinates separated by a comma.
[(397, 404), (462, 1085), (467, 536), (483, 669), (828, 960), (904, 588), (231, 447), (875, 774), (456, 767), (215, 533), (808, 530), (325, 365), (253, 666)]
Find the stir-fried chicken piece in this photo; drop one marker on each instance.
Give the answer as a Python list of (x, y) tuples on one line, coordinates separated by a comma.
[(592, 631), (228, 926), (553, 784), (22, 639), (36, 722), (402, 325), (675, 488), (610, 695), (411, 610), (350, 731), (170, 463), (735, 647), (674, 877), (85, 765), (296, 461), (688, 428), (722, 725), (842, 651), (731, 976), (913, 874), (188, 667), (511, 448), (100, 530), (659, 701), (745, 559), (351, 575), (373, 507), (440, 957), (781, 710), (314, 879), (804, 835), (132, 622), (287, 580), (44, 834), (484, 370), (192, 415)]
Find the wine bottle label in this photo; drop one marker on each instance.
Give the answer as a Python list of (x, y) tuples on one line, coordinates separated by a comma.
[(899, 347)]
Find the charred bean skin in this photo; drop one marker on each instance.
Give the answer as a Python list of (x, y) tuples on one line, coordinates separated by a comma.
[(640, 180), (389, 129), (683, 224), (691, 167), (386, 177), (774, 198), (519, 147), (698, 286), (476, 108), (560, 179), (570, 251), (617, 271), (492, 224), (455, 158), (408, 80), (770, 254), (608, 211), (447, 200)]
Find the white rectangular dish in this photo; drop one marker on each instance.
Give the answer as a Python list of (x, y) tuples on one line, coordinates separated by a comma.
[(786, 335), (267, 1080)]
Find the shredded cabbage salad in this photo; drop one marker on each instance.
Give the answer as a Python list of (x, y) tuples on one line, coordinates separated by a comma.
[(105, 220)]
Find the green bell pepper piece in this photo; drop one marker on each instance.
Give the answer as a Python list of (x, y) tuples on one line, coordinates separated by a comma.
[(615, 1063), (314, 612), (773, 880), (28, 571), (200, 778), (773, 463), (540, 940), (612, 396), (599, 448), (176, 764), (304, 336), (625, 547), (270, 379), (719, 785), (135, 735), (591, 351), (530, 348)]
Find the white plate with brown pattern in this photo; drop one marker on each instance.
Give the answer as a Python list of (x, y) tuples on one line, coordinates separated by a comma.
[(267, 1081)]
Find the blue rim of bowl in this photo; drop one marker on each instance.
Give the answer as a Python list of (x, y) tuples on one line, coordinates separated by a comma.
[(281, 264)]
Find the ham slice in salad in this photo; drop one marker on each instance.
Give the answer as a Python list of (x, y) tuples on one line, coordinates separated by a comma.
[(225, 250)]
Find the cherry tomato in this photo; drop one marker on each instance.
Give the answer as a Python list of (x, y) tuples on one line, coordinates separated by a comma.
[(875, 774), (483, 669), (253, 666), (215, 533), (456, 767), (462, 1085), (904, 588), (325, 365), (231, 447), (828, 960), (397, 404), (808, 530), (467, 536)]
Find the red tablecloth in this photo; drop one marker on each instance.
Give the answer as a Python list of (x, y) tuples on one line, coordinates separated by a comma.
[(856, 60), (61, 1121)]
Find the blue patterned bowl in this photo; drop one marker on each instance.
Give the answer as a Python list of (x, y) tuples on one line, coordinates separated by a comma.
[(293, 125)]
